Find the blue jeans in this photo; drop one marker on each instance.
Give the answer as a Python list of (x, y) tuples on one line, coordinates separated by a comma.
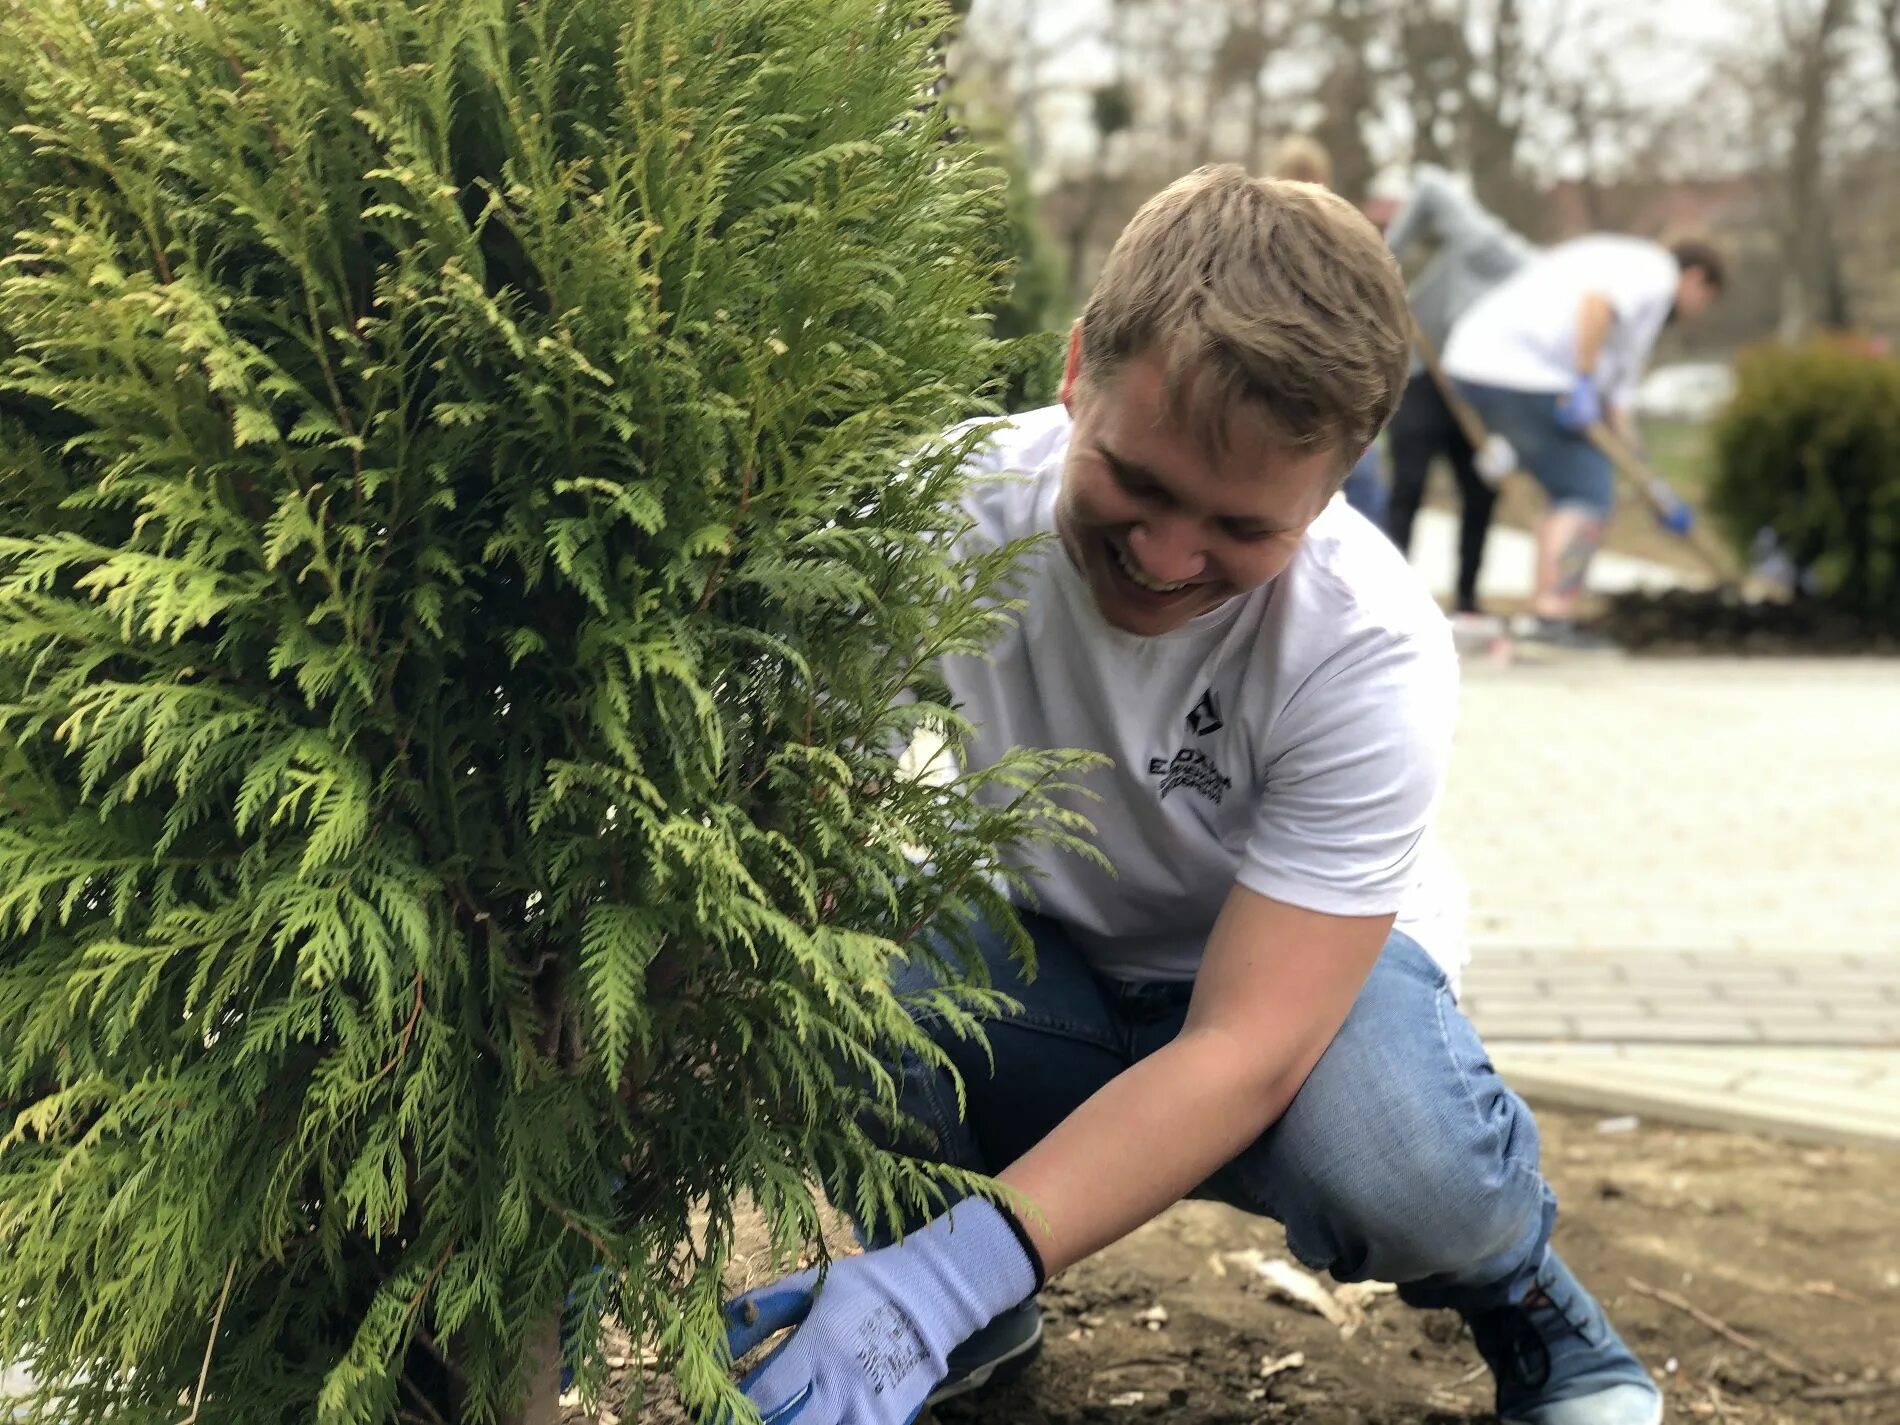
[(1572, 471), (1403, 1158), (1365, 487)]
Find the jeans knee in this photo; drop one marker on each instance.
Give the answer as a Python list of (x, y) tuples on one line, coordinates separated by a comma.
[(1407, 1227)]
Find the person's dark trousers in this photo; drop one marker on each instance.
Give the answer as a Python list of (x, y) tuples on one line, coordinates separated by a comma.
[(1421, 429)]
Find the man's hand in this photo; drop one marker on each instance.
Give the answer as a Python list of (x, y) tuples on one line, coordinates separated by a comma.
[(873, 1336), (1581, 407), (1494, 459), (1672, 511)]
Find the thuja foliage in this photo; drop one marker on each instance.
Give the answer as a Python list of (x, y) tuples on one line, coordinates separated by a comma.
[(473, 538), (1809, 449)]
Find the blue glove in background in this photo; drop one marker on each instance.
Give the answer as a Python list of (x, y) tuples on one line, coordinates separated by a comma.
[(1581, 407), (1673, 512), (873, 1336)]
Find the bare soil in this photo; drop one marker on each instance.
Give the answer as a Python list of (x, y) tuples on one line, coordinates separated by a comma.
[(1795, 1250), (1706, 621)]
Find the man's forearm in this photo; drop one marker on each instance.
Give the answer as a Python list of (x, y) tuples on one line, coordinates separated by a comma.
[(1145, 1140), (1593, 329)]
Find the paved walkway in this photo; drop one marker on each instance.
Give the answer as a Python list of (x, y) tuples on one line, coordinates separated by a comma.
[(1686, 887)]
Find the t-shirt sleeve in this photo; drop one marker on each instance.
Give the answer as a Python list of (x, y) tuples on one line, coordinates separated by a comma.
[(1637, 329), (1353, 777), (1419, 216), (1644, 283)]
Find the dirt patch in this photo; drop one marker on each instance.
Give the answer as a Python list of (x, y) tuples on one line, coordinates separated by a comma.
[(1797, 1248), (1709, 622)]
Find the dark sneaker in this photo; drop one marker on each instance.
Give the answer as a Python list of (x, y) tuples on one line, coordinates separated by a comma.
[(1001, 1351), (1561, 633), (1558, 1361)]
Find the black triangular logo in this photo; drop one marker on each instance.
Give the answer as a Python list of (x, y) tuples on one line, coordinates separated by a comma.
[(1205, 717)]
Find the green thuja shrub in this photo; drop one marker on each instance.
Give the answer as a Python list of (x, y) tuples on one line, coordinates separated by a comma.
[(1809, 449), (473, 538)]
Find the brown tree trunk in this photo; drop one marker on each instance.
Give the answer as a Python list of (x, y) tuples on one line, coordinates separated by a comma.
[(543, 1405), (1436, 59), (1349, 96), (1497, 125), (1890, 33), (1808, 247)]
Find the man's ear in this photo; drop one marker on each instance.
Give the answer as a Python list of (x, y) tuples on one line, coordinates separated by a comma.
[(1071, 368)]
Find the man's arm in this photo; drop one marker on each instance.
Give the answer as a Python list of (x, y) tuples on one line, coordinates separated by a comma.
[(1421, 215), (1581, 407), (1593, 330), (1443, 213), (1275, 984)]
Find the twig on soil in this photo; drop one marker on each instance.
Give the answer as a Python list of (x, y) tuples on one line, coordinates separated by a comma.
[(1728, 1333), (1466, 1379), (1838, 1292), (1137, 1362), (204, 1370), (1859, 1390)]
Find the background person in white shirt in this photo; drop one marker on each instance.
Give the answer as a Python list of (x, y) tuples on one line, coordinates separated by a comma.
[(1554, 349), (1253, 1001)]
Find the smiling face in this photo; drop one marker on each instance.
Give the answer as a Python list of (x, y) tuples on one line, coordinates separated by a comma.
[(1162, 529)]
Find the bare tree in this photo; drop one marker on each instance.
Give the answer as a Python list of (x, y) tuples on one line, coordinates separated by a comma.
[(1468, 75), (1887, 14), (1349, 90), (1503, 90), (1434, 67), (1812, 40), (1618, 140), (1267, 30)]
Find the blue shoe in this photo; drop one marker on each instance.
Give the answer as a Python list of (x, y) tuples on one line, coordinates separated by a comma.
[(1558, 1361), (1000, 1352)]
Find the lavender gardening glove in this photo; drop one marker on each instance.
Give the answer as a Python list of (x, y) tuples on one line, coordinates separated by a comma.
[(872, 1337), (1581, 407), (1672, 511)]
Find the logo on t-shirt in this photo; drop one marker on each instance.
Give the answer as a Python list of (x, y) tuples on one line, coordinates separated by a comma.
[(1191, 767), (1205, 716)]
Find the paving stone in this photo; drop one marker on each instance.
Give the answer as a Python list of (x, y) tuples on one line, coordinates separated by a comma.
[(1662, 1081), (1538, 1026), (1684, 871), (1629, 1029), (1829, 1032)]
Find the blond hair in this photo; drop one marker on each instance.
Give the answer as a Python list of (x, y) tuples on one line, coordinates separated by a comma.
[(1261, 296), (1303, 160)]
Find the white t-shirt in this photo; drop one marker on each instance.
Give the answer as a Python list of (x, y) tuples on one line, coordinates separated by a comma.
[(1294, 739), (1522, 334)]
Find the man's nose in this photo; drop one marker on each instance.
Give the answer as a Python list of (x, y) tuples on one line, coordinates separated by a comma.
[(1168, 549)]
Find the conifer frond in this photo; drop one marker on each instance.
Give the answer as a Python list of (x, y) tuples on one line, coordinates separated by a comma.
[(475, 528)]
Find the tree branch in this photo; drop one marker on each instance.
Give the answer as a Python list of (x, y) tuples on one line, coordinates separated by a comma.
[(204, 1370)]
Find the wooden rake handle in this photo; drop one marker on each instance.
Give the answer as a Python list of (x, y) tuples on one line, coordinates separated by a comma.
[(1638, 476)]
